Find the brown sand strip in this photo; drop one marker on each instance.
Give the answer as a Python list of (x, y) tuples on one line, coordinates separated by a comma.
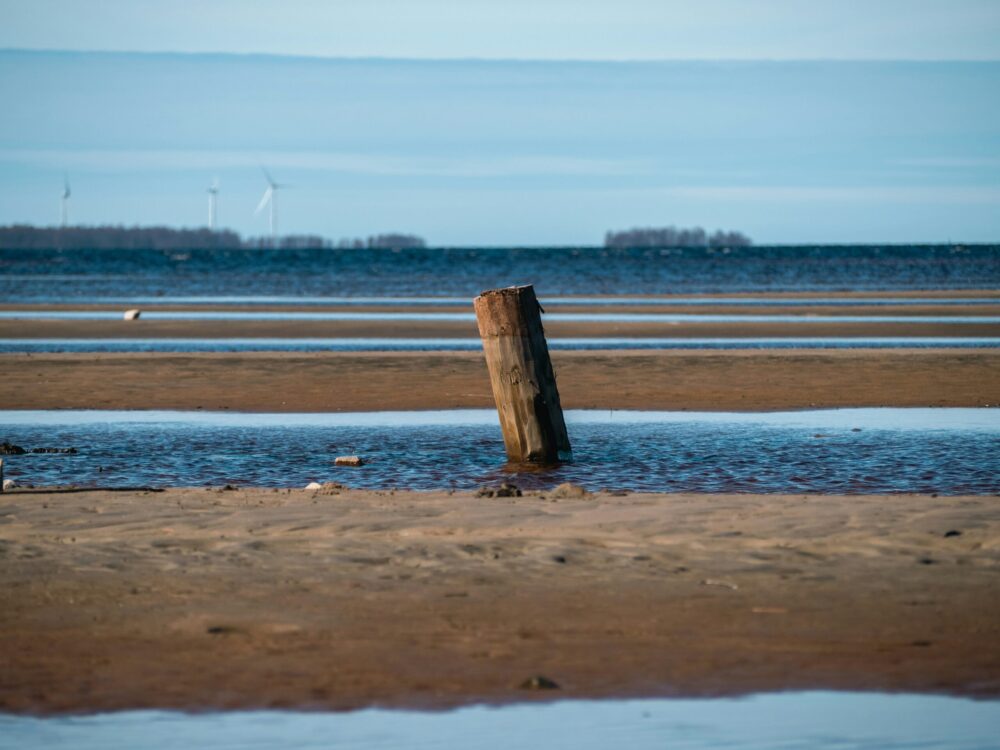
[(29, 329), (693, 380), (222, 599)]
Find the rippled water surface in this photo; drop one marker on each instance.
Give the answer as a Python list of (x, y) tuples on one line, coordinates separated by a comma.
[(251, 300), (53, 276), (949, 451), (789, 721)]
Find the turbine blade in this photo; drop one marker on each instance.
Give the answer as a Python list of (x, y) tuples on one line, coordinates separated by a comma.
[(264, 200), (267, 176)]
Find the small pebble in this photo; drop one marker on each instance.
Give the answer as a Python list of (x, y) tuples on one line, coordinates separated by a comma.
[(570, 490), (539, 682), (504, 490)]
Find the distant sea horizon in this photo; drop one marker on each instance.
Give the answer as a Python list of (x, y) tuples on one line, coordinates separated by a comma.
[(54, 276)]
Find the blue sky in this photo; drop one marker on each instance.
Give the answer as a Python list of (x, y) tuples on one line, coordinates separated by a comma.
[(533, 29), (502, 152)]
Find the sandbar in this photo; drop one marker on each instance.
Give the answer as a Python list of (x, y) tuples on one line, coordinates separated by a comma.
[(335, 599)]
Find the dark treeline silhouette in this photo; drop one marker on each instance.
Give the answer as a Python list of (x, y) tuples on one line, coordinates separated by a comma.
[(391, 241), (26, 237), (674, 237), (288, 242)]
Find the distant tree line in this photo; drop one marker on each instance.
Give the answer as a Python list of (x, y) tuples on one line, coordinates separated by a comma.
[(391, 241), (26, 237), (674, 237), (288, 242)]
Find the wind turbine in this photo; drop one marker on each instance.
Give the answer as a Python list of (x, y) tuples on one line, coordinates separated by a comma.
[(270, 197), (213, 198), (64, 203)]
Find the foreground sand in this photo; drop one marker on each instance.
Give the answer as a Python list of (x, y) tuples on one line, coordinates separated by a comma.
[(693, 380), (211, 598)]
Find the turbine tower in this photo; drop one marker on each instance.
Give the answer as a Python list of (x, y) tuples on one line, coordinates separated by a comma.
[(270, 197), (64, 203), (213, 198)]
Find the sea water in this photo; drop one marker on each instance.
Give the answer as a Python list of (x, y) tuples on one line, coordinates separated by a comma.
[(783, 721), (80, 276), (850, 451)]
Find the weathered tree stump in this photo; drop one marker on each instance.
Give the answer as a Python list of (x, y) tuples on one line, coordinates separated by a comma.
[(524, 386)]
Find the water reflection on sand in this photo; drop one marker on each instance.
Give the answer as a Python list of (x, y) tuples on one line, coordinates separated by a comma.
[(815, 720)]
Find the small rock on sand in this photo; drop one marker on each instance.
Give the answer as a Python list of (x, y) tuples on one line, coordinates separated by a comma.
[(327, 488), (9, 484), (539, 682), (504, 490), (569, 490), (132, 314), (348, 461)]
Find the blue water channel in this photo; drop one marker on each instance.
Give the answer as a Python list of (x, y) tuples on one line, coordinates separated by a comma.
[(783, 721), (469, 317), (250, 300), (850, 451)]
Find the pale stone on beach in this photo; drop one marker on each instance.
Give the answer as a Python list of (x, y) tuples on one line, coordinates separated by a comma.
[(9, 484), (132, 314), (568, 489), (348, 461), (314, 486)]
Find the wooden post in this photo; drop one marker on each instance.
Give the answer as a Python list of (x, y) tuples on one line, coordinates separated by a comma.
[(524, 385)]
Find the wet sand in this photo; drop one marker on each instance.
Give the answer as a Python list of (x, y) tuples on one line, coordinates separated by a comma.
[(205, 599), (372, 381), (702, 380), (143, 329), (853, 305)]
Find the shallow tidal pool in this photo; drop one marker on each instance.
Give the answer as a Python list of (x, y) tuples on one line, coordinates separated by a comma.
[(782, 721), (850, 451)]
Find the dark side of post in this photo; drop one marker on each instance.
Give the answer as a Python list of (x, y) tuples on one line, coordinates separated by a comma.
[(524, 386)]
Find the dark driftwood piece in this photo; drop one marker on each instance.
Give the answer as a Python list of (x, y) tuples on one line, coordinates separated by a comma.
[(524, 385)]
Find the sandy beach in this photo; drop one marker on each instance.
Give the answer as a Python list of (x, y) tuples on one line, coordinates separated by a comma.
[(748, 379), (211, 598), (372, 381)]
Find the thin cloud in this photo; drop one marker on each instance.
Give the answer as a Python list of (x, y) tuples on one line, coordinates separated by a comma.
[(362, 164)]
